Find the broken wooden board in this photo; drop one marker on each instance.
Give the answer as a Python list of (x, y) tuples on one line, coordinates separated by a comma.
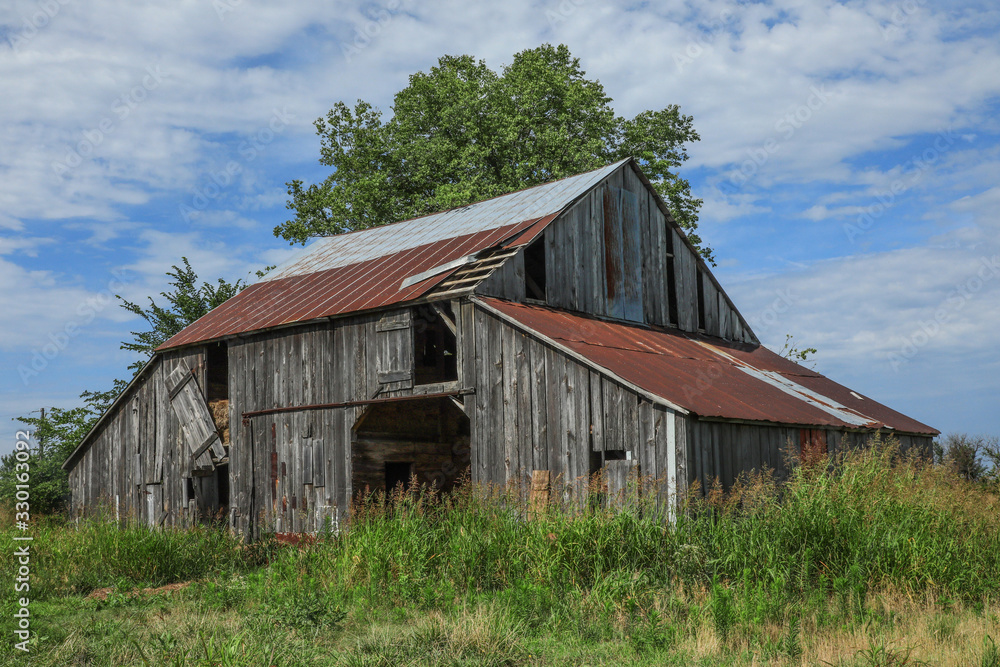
[(199, 429)]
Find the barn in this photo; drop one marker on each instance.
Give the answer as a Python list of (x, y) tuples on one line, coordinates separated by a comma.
[(555, 332)]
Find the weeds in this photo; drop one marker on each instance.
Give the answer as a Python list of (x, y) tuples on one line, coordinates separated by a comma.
[(761, 569)]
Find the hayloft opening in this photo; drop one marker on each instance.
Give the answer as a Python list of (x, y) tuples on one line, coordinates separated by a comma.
[(534, 269), (434, 344), (217, 372), (394, 440), (217, 387)]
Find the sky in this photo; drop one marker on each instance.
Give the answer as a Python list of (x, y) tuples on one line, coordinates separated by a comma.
[(848, 162)]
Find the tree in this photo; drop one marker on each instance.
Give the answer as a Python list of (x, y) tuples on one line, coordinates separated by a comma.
[(59, 431), (56, 433), (186, 302), (461, 133)]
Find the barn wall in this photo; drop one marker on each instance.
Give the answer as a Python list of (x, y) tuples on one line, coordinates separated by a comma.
[(302, 458), (722, 450), (137, 455), (291, 468), (537, 408), (597, 262)]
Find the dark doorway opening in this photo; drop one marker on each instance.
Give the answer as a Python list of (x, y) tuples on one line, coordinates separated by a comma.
[(216, 372), (397, 474), (222, 482), (217, 388), (212, 491), (434, 344), (534, 269), (400, 441)]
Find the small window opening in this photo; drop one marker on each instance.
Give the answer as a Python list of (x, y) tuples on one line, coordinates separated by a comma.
[(534, 270), (615, 455), (434, 344), (397, 473), (188, 489), (701, 301), (216, 372), (671, 280)]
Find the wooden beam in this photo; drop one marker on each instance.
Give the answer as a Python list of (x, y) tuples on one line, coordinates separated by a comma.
[(448, 322)]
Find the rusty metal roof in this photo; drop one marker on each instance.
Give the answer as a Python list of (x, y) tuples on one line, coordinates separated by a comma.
[(710, 377), (367, 269), (510, 209)]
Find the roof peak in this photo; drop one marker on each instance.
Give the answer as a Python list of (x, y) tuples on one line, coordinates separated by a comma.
[(361, 245)]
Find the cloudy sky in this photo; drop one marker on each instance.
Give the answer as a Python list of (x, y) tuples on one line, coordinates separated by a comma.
[(849, 163)]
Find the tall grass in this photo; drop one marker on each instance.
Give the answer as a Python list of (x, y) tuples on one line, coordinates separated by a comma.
[(762, 565), (79, 557), (870, 519)]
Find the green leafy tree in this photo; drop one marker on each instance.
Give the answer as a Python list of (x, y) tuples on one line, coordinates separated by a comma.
[(461, 133), (56, 433), (186, 302)]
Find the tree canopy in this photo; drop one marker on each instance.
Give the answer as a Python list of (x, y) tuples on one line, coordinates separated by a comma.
[(461, 133)]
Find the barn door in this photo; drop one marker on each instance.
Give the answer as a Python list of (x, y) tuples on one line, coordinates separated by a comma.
[(200, 433)]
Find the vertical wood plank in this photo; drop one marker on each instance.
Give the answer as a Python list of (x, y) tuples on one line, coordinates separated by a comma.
[(540, 415)]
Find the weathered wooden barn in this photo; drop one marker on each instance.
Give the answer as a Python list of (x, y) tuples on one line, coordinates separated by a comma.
[(565, 328)]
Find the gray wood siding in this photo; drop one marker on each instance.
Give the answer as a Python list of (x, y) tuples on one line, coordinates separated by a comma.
[(722, 450), (607, 255), (137, 459), (538, 409), (534, 408)]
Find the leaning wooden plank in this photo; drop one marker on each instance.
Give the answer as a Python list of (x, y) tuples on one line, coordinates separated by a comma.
[(189, 405)]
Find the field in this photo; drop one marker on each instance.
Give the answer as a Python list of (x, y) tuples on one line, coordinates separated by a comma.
[(874, 560)]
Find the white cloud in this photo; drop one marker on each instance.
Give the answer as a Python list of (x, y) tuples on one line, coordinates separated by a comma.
[(826, 102)]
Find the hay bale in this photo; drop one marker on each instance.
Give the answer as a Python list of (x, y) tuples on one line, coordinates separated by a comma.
[(220, 415)]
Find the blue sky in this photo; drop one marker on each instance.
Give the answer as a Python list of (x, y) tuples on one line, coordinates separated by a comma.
[(849, 163)]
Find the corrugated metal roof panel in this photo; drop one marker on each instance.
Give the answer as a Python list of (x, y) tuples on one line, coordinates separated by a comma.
[(344, 289), (366, 269), (710, 377), (368, 244)]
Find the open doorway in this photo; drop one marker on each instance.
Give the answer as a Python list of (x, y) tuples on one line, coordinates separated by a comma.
[(397, 442), (435, 347), (217, 387), (534, 270), (211, 492)]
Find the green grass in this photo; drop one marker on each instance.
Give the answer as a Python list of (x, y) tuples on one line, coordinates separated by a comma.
[(873, 560)]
